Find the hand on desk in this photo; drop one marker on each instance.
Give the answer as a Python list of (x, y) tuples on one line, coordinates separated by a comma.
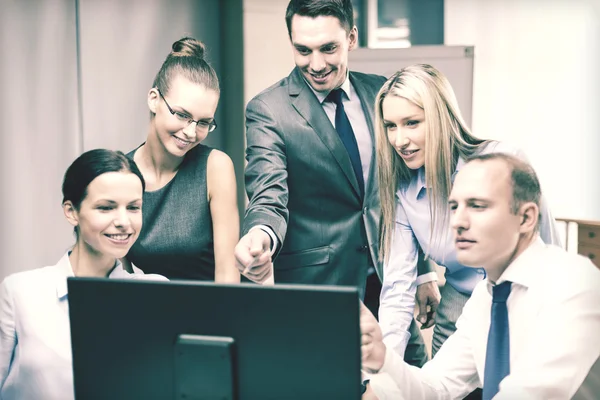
[(372, 347), (253, 256), (428, 300)]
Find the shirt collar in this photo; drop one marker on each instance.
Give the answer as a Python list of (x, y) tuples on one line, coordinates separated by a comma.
[(522, 271), (65, 271), (417, 183), (321, 96)]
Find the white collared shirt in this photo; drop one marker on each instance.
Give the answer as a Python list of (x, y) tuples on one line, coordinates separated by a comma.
[(554, 320), (35, 335)]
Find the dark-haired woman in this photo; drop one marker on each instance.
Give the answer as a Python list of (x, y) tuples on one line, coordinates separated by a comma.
[(191, 222), (102, 199)]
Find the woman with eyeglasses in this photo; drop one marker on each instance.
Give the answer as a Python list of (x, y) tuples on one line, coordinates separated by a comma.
[(191, 221)]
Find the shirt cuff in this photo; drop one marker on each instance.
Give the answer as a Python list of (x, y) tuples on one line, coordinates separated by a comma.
[(382, 383), (270, 233), (384, 387), (428, 277)]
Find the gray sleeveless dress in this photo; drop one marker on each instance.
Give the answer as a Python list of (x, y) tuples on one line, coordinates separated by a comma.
[(176, 240)]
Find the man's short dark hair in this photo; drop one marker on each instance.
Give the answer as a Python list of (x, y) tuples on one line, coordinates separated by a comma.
[(341, 9), (525, 183)]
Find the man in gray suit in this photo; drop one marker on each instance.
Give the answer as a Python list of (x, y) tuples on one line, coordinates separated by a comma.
[(311, 178)]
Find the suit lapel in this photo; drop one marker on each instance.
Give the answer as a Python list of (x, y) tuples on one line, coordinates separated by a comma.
[(367, 95), (307, 105)]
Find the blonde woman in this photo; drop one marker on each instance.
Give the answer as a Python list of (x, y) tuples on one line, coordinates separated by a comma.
[(422, 142)]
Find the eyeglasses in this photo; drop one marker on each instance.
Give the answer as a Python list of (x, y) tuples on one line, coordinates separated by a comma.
[(201, 125)]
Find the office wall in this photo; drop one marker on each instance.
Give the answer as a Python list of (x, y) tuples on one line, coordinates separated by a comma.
[(39, 129), (123, 44), (536, 85), (74, 76), (268, 54)]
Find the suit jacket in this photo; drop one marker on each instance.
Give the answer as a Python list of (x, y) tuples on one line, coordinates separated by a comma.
[(301, 184)]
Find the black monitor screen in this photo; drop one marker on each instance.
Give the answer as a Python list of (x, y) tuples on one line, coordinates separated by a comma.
[(195, 340)]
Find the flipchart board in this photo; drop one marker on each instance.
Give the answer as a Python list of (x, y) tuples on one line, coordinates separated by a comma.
[(456, 62)]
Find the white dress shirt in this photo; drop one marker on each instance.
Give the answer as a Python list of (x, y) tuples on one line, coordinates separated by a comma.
[(358, 121), (413, 230), (35, 335), (554, 320)]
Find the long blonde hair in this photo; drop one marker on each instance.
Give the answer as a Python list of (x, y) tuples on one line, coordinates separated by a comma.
[(447, 138)]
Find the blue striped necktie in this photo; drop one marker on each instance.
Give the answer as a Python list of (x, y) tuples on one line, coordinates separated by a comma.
[(497, 356)]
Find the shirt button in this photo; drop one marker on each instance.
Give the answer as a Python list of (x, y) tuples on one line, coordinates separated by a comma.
[(365, 210)]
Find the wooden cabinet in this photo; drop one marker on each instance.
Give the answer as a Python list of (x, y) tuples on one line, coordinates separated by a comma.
[(588, 238)]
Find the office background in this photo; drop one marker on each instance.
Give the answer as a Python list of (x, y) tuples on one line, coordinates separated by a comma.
[(74, 75)]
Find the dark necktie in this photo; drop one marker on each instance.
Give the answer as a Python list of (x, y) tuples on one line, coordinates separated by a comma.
[(497, 356), (344, 130)]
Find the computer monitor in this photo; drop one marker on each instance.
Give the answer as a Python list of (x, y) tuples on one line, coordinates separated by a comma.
[(198, 340)]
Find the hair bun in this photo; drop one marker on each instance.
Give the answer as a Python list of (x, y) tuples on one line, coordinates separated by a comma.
[(188, 47)]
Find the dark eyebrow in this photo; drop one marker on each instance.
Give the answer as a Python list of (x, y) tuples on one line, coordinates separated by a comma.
[(328, 44), (106, 201), (114, 202), (300, 47), (189, 114), (182, 110)]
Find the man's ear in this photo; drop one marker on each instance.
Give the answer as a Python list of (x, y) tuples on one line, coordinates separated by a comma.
[(529, 213), (353, 38), (153, 99), (71, 213)]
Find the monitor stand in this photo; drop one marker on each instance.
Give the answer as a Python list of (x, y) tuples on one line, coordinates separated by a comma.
[(204, 367)]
